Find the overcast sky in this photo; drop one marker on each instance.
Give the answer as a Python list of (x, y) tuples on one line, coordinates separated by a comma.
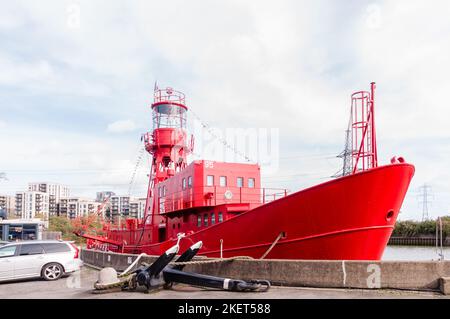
[(76, 82)]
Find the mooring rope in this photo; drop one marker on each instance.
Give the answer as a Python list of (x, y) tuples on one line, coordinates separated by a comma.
[(210, 261), (271, 246)]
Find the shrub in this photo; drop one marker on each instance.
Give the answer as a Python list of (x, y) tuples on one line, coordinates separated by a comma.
[(410, 228)]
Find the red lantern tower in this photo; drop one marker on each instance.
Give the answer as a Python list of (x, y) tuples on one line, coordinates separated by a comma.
[(168, 143)]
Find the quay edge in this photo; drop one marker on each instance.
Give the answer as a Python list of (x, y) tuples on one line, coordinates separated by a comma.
[(404, 275)]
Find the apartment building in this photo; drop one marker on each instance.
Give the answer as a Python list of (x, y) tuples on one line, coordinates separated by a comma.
[(119, 206), (101, 196), (74, 207), (50, 199), (63, 207), (8, 204), (55, 191), (137, 207), (126, 206), (87, 207), (32, 203)]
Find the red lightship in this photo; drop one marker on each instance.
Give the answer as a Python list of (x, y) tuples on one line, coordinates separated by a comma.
[(223, 205)]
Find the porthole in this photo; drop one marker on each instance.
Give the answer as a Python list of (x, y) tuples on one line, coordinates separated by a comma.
[(389, 215)]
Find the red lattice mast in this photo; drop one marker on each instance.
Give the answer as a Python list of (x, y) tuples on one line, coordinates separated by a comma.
[(364, 144)]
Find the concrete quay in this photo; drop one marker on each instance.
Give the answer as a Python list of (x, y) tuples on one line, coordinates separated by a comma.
[(80, 286), (397, 275)]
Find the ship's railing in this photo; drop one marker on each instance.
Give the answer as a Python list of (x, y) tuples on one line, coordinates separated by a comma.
[(217, 195), (169, 95)]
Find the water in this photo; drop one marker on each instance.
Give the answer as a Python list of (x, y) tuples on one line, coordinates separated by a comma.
[(414, 253)]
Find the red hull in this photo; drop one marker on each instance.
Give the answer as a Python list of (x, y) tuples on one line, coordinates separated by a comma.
[(350, 218)]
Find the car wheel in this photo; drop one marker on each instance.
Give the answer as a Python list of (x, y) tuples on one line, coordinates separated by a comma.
[(52, 271)]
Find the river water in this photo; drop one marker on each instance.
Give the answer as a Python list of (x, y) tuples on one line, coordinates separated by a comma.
[(414, 253)]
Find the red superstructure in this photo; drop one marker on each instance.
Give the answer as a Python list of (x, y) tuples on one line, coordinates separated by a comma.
[(224, 205)]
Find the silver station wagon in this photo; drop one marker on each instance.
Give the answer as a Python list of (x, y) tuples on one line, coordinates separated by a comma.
[(49, 259)]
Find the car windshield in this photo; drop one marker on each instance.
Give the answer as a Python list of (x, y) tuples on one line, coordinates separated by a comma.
[(7, 251)]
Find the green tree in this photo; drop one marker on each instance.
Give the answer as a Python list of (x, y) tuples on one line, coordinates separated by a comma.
[(63, 225), (410, 228)]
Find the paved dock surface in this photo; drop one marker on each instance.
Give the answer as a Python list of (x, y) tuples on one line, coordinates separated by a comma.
[(79, 286)]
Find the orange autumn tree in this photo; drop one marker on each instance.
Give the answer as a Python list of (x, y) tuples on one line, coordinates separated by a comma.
[(89, 224)]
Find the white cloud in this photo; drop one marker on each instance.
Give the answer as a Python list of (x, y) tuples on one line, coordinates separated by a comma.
[(86, 163), (122, 126), (290, 65)]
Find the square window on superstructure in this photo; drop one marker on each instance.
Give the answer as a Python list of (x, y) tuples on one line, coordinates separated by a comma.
[(223, 181), (190, 181), (210, 180), (184, 183), (240, 182), (251, 183)]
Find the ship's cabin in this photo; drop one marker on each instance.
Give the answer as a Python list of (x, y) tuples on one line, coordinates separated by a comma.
[(207, 193)]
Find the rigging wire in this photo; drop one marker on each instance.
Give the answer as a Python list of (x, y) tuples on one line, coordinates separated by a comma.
[(136, 167), (208, 128), (313, 156)]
